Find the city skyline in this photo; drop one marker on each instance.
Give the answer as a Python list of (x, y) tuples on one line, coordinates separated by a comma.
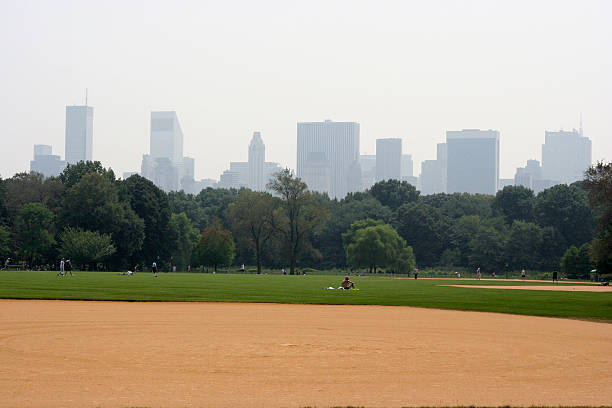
[(518, 67)]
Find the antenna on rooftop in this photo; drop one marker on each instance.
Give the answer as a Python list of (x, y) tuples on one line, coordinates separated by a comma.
[(85, 96), (581, 124)]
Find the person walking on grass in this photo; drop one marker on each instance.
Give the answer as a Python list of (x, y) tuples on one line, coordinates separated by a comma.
[(68, 267), (154, 269), (478, 273), (555, 277), (61, 268), (523, 274), (416, 273)]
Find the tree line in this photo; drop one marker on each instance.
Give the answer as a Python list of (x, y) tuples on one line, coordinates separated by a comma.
[(94, 218)]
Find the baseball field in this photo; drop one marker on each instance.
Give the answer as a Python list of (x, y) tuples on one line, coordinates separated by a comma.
[(202, 340)]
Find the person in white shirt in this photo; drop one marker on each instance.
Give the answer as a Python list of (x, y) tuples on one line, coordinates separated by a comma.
[(61, 269)]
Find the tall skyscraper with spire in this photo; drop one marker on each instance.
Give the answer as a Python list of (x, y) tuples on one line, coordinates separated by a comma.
[(257, 158), (79, 133)]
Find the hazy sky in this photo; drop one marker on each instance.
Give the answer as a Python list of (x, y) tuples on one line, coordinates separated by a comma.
[(408, 69)]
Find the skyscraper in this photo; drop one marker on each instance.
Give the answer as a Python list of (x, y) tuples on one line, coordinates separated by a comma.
[(46, 163), (388, 159), (166, 136), (257, 158), (406, 167), (433, 173), (79, 133), (566, 155), (165, 165), (472, 161), (368, 170), (336, 145)]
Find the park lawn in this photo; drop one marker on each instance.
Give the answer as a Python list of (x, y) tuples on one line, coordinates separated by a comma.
[(305, 289)]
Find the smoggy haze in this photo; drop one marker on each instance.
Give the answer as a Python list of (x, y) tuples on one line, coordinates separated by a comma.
[(409, 69)]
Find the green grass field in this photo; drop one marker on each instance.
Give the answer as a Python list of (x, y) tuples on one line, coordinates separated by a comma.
[(305, 289)]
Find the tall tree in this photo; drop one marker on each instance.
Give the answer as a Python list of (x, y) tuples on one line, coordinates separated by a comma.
[(86, 247), (424, 229), (566, 208), (215, 247), (461, 233), (598, 183), (187, 238), (33, 225), (487, 249), (523, 245), (93, 204), (151, 204), (515, 203), (394, 193), (374, 244), (251, 219), (342, 214), (73, 173), (32, 187), (457, 205), (299, 216)]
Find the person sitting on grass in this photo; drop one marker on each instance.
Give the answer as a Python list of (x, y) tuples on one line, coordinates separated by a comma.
[(347, 284)]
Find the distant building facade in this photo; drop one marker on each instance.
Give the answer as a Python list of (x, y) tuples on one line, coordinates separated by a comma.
[(531, 177), (79, 134), (337, 144), (433, 173), (368, 170), (257, 158), (166, 166), (472, 161), (566, 155), (388, 159), (46, 163), (406, 167)]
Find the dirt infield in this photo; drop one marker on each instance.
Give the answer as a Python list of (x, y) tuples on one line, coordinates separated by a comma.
[(112, 354), (563, 288)]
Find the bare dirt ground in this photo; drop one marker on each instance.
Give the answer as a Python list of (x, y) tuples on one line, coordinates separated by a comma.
[(564, 288), (113, 354)]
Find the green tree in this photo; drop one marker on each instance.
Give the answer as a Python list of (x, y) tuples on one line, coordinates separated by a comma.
[(551, 250), (151, 204), (424, 228), (342, 214), (576, 262), (33, 225), (214, 202), (215, 247), (86, 247), (5, 243), (566, 208), (598, 183), (394, 193), (515, 203), (32, 187), (373, 244), (73, 173), (251, 219), (461, 233), (487, 249), (298, 217), (451, 257), (524, 242), (458, 205), (187, 239), (569, 261), (180, 202), (93, 204)]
